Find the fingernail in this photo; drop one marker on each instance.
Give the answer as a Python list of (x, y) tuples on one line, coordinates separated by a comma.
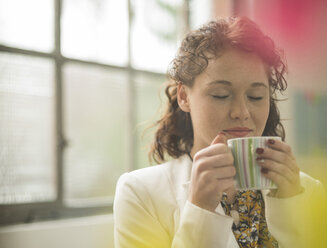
[(264, 170), (271, 141), (259, 159), (259, 150)]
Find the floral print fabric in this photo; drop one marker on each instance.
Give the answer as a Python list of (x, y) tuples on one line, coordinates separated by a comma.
[(252, 230)]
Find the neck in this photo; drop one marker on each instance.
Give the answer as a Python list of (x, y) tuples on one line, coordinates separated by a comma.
[(197, 147)]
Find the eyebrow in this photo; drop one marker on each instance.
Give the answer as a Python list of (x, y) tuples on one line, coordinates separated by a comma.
[(227, 83)]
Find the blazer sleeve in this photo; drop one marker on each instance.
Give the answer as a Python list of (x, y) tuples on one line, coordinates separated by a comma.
[(290, 220), (134, 225), (137, 225)]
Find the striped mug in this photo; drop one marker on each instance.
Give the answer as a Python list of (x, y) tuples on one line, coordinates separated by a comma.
[(248, 172)]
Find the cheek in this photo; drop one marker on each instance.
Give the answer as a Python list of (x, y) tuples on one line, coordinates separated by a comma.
[(206, 112), (262, 114)]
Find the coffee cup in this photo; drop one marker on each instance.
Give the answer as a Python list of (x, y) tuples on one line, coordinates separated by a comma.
[(248, 172)]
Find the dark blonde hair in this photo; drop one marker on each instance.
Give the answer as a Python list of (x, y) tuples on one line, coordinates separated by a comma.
[(174, 135)]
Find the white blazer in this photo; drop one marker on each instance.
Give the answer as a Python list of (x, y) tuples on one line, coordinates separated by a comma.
[(151, 210)]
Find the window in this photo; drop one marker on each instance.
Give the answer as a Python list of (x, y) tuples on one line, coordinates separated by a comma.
[(27, 24), (78, 81), (95, 30), (95, 127), (26, 129)]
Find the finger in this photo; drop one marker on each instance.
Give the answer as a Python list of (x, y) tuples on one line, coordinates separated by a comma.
[(279, 180), (220, 138), (280, 146), (220, 160), (281, 169), (225, 172), (212, 150), (217, 146), (225, 184), (277, 156), (220, 173)]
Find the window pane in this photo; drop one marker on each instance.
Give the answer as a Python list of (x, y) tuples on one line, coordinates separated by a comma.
[(95, 124), (155, 33), (149, 91), (27, 155), (27, 24), (202, 11), (95, 30)]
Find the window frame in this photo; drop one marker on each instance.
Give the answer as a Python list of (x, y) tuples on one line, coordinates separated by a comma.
[(55, 210)]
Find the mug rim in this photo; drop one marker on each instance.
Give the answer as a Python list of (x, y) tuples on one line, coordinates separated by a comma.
[(255, 137)]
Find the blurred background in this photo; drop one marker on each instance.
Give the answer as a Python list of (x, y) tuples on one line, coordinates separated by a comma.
[(80, 82)]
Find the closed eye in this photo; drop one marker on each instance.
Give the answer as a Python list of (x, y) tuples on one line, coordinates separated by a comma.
[(221, 97), (255, 98)]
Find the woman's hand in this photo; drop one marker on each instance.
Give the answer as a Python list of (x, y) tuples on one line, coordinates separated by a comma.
[(212, 174), (278, 164)]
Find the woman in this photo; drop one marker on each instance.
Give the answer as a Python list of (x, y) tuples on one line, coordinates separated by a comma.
[(222, 85)]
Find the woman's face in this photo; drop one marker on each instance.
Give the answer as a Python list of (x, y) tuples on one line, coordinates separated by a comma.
[(231, 95)]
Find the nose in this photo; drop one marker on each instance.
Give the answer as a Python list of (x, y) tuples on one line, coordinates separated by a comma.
[(239, 109)]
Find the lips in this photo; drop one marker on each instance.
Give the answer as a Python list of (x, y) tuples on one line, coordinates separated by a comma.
[(238, 131)]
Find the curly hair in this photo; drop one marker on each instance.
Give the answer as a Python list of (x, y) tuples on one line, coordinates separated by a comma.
[(174, 134)]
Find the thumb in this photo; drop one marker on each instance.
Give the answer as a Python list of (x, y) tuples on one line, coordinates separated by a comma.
[(220, 138)]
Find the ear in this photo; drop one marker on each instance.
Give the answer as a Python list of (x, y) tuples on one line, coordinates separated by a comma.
[(182, 97)]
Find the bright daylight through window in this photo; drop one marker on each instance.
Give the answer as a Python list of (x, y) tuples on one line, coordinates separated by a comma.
[(79, 84)]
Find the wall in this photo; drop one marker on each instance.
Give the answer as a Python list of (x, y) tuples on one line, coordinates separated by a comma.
[(87, 232)]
